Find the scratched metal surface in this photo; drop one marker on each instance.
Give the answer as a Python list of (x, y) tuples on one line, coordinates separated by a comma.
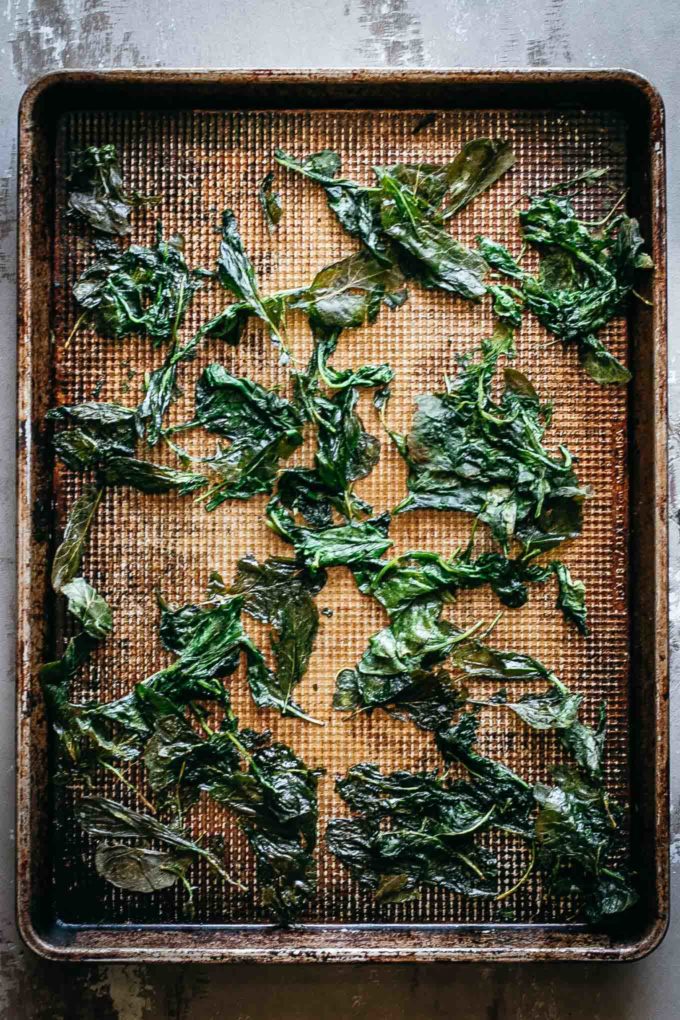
[(200, 162), (40, 35)]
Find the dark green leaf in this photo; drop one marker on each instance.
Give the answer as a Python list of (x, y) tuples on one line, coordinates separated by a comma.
[(429, 840), (345, 452), (396, 670), (96, 192), (95, 433), (100, 816), (586, 745), (400, 220), (499, 785), (467, 452), (270, 201), (476, 659), (334, 546), (357, 208), (435, 258), (279, 593), (301, 490), (477, 166), (153, 478), (139, 869), (585, 277), (507, 305), (138, 291), (263, 428), (277, 801), (413, 796), (398, 582), (88, 607), (235, 272), (571, 598), (266, 586), (86, 734), (349, 293), (554, 709), (498, 258), (366, 376), (68, 556), (428, 699), (209, 644), (578, 837), (161, 389), (240, 409), (76, 654)]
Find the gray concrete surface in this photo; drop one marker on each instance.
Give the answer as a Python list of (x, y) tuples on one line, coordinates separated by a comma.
[(39, 35)]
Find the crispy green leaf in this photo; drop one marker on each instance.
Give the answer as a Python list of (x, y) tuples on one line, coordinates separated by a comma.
[(435, 258), (345, 452), (263, 428), (279, 593), (584, 280), (571, 598), (152, 478), (88, 607), (86, 734), (100, 816), (477, 660), (468, 452), (266, 586), (396, 670), (96, 192), (334, 546), (411, 796), (301, 490), (236, 273), (95, 433), (427, 698), (578, 837), (477, 166), (429, 841), (139, 869), (103, 436), (270, 202), (586, 745), (356, 207), (276, 798), (400, 220), (511, 795), (498, 258), (161, 388), (209, 648), (398, 582), (349, 293), (240, 409), (554, 709), (68, 556), (138, 291), (507, 305)]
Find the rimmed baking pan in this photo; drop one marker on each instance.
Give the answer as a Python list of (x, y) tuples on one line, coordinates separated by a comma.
[(203, 141)]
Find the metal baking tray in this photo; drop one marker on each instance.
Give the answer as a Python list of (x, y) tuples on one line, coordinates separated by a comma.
[(204, 140)]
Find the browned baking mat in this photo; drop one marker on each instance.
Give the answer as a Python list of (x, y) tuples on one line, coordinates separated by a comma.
[(204, 141)]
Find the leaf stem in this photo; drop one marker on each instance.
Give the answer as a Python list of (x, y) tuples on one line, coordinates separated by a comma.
[(508, 892), (73, 332), (112, 768)]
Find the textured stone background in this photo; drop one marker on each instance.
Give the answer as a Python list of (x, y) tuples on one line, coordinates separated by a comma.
[(40, 35)]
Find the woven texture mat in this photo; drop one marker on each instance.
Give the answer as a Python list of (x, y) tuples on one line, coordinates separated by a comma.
[(200, 163)]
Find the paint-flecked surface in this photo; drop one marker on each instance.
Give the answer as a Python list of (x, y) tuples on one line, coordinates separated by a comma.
[(44, 34)]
